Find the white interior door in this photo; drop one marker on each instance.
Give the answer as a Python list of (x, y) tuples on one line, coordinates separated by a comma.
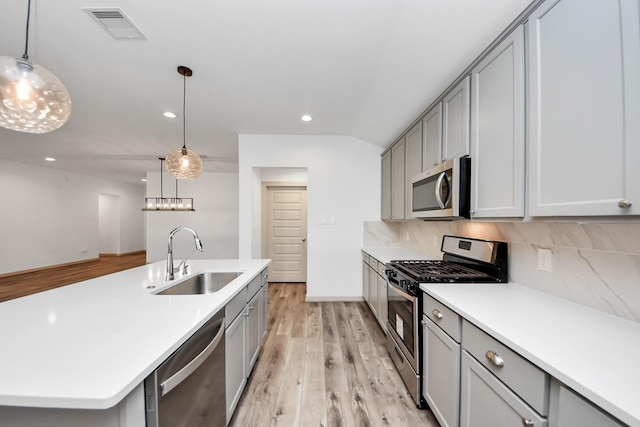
[(286, 233)]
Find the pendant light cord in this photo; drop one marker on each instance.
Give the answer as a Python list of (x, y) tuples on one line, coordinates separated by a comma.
[(26, 43), (184, 113)]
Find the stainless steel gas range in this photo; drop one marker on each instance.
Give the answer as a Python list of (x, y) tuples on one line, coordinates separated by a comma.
[(464, 260)]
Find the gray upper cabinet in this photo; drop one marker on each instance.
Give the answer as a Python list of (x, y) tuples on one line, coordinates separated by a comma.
[(584, 94), (397, 180), (386, 186), (455, 119), (497, 131), (432, 130), (413, 162)]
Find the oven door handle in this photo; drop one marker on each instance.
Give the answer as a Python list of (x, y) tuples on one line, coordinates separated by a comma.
[(403, 294)]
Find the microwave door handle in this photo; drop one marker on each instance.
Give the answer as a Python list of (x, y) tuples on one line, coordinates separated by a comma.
[(443, 176)]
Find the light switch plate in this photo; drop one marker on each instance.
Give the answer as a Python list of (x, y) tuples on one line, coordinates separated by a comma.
[(545, 257)]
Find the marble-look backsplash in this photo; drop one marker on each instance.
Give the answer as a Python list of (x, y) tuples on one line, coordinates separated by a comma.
[(594, 264)]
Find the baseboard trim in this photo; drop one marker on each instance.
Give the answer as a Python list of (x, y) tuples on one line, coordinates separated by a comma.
[(122, 254), (333, 299)]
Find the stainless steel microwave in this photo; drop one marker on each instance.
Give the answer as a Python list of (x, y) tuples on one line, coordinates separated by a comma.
[(442, 192)]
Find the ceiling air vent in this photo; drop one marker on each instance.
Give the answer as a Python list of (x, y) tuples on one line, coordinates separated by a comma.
[(116, 23)]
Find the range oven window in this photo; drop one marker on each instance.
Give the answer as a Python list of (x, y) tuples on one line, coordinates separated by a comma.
[(401, 317)]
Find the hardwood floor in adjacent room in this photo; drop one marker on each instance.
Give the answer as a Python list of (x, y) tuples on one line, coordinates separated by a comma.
[(324, 364), (30, 282)]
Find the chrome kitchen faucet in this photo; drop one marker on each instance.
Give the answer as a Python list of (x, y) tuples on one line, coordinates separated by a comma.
[(170, 275)]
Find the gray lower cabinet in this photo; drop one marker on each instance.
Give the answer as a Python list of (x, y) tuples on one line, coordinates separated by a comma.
[(235, 368), (374, 285), (441, 379), (568, 409), (246, 317), (472, 379), (441, 335), (486, 401)]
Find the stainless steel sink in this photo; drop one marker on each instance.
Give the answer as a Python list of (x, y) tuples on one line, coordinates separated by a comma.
[(203, 283)]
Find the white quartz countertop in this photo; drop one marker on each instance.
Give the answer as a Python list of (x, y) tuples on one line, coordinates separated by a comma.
[(592, 352), (388, 254), (89, 344)]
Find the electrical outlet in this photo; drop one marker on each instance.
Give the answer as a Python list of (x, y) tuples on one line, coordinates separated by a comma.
[(545, 259)]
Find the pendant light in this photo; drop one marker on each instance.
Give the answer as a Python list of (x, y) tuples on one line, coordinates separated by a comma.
[(167, 203), (32, 99), (184, 163)]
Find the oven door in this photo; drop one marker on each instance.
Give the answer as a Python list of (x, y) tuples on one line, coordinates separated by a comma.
[(402, 322)]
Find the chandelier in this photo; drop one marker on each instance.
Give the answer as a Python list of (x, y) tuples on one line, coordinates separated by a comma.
[(167, 203)]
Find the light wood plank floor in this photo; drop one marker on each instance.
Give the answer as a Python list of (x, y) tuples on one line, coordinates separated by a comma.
[(324, 364)]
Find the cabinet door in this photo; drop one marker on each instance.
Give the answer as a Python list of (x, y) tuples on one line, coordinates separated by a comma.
[(485, 401), (441, 377), (235, 366), (397, 181), (386, 186), (382, 301), (413, 162), (455, 117), (584, 95), (366, 270), (497, 131), (264, 312), (253, 331), (432, 130), (373, 291), (568, 409)]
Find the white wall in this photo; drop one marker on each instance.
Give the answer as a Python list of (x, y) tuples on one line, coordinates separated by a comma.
[(50, 217), (215, 219), (343, 179), (109, 224)]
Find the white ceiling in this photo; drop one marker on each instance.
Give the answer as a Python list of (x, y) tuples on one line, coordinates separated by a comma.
[(365, 68)]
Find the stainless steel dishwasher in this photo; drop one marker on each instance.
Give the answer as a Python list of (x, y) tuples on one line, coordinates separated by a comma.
[(188, 389)]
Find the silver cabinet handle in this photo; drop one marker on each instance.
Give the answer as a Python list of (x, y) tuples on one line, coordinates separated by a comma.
[(436, 313), (624, 203), (423, 322), (494, 358), (527, 422)]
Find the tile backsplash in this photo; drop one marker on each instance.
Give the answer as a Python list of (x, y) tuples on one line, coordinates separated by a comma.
[(593, 264)]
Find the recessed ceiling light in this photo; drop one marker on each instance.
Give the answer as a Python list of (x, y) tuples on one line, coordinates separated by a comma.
[(169, 114), (144, 180), (306, 118), (50, 159)]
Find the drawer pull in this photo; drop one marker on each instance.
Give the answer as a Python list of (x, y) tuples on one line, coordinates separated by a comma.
[(436, 313), (624, 204), (494, 358), (527, 422)]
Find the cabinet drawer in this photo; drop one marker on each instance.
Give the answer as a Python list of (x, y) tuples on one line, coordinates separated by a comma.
[(235, 306), (254, 286), (373, 263), (265, 276), (365, 257), (442, 316), (485, 401), (525, 379)]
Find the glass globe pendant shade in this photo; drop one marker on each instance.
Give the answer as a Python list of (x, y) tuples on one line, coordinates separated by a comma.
[(184, 163), (32, 99)]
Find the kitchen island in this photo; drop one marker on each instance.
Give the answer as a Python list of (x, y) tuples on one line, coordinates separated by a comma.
[(82, 352)]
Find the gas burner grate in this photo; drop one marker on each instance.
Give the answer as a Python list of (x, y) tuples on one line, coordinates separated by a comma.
[(436, 270)]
